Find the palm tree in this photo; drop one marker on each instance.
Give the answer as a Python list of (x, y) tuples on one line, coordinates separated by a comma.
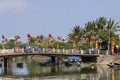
[(111, 27), (101, 24), (101, 29), (90, 29), (77, 31)]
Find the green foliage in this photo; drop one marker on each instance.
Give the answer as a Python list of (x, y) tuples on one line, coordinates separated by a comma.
[(99, 28)]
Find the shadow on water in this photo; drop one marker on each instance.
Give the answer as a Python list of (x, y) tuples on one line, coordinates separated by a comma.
[(19, 65)]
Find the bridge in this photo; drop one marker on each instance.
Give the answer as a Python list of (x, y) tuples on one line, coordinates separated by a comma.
[(7, 54), (10, 53)]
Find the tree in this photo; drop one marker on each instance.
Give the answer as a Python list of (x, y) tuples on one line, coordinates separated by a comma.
[(77, 33), (111, 27)]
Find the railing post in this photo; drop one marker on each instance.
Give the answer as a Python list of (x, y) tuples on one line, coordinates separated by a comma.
[(13, 51), (22, 50), (98, 51), (53, 50), (58, 50), (43, 50), (72, 50), (107, 52), (90, 51), (66, 51), (32, 50), (63, 51), (3, 49), (81, 51)]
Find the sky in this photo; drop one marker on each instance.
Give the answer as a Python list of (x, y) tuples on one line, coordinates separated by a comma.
[(56, 17)]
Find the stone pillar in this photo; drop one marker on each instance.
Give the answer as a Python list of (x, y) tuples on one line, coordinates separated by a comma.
[(107, 52), (22, 50), (59, 61), (67, 51), (58, 50), (32, 50), (5, 65), (43, 50), (72, 50), (63, 51), (98, 51), (13, 51), (81, 51), (53, 50), (53, 60), (89, 51)]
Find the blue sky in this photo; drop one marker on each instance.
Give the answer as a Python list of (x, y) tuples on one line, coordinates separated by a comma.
[(57, 17)]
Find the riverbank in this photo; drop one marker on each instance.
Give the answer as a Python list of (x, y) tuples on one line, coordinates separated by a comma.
[(106, 59)]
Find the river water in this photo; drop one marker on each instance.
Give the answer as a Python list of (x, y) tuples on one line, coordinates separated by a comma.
[(23, 69)]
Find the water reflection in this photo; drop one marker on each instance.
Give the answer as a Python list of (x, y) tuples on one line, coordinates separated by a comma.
[(19, 68), (1, 68), (33, 70)]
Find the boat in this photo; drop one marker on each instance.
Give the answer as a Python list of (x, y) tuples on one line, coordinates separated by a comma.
[(114, 65), (111, 65)]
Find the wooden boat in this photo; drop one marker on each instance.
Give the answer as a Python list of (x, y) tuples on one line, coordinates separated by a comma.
[(114, 65), (111, 65)]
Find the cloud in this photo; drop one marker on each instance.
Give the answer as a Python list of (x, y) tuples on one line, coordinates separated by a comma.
[(7, 6)]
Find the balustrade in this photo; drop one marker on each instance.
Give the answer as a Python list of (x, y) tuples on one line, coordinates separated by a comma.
[(48, 50)]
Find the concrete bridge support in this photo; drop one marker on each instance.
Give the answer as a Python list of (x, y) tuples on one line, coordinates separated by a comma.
[(56, 60), (59, 60), (5, 65), (53, 59)]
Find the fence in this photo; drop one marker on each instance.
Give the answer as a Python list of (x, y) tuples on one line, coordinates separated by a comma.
[(49, 50)]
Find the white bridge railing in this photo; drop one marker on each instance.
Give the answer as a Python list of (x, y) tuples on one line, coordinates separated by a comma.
[(47, 50)]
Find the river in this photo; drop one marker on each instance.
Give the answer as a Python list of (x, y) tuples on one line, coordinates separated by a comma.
[(24, 69)]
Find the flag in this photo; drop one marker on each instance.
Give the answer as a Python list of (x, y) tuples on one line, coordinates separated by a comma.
[(17, 37), (4, 40), (29, 36), (49, 35), (60, 38), (38, 38), (3, 37)]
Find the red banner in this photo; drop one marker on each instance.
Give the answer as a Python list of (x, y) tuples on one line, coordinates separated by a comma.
[(60, 38), (75, 37), (3, 37), (49, 35), (91, 38), (29, 36), (17, 37)]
